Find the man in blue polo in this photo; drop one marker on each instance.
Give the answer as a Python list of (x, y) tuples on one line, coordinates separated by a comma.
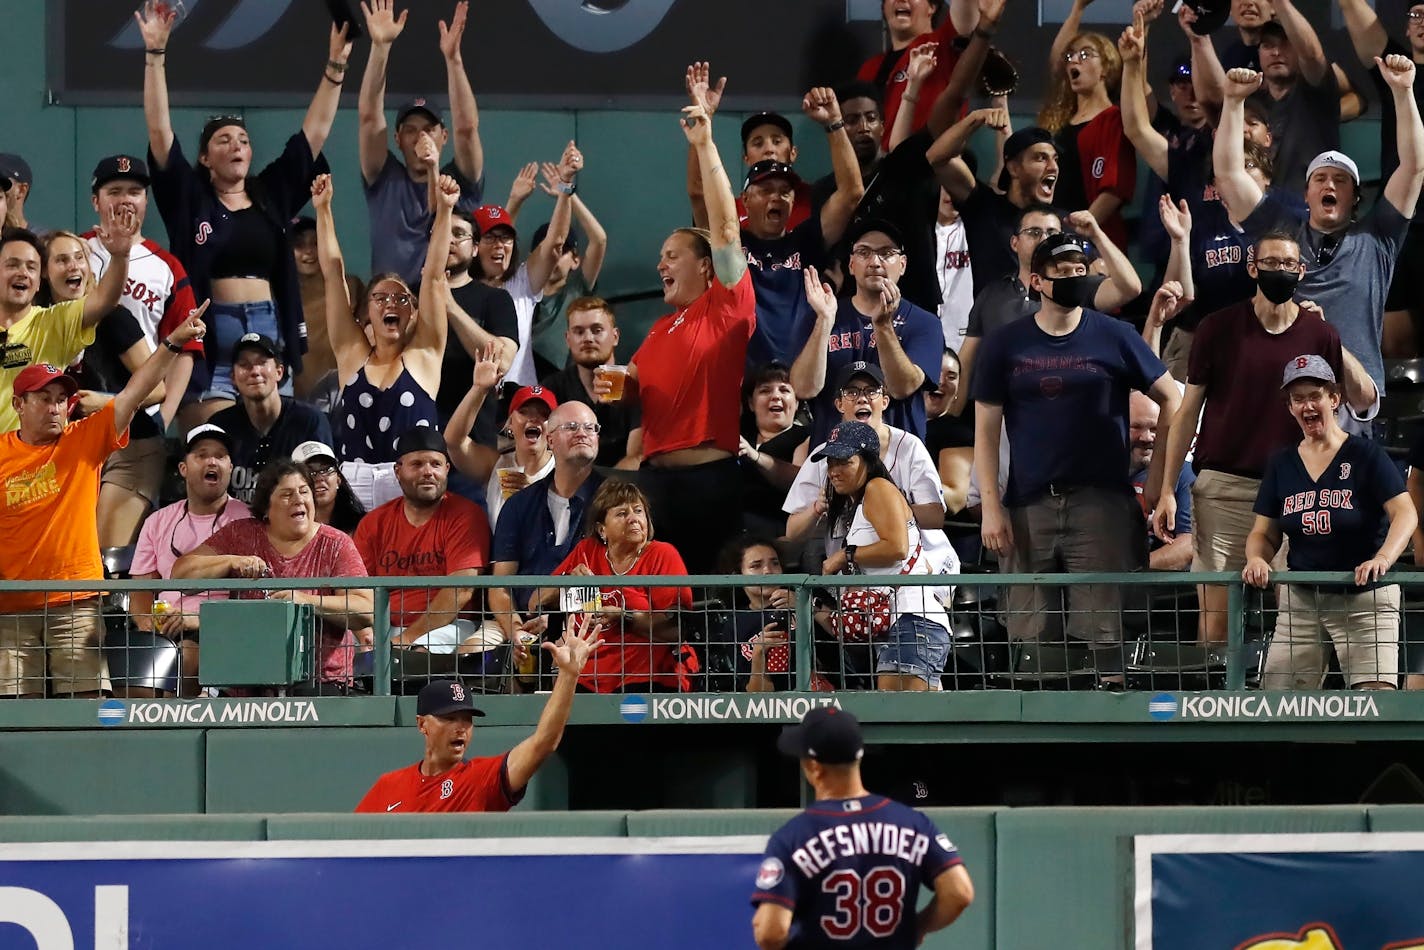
[(540, 524)]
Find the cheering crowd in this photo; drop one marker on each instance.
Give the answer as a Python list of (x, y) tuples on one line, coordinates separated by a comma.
[(918, 360)]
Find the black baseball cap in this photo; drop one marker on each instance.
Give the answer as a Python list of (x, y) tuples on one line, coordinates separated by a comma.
[(415, 105), (766, 118), (827, 734), (1018, 143), (210, 128), (14, 169), (116, 167), (1181, 70), (442, 697), (256, 341), (848, 439), (1211, 14), (300, 225), (770, 168), (1055, 246), (206, 431), (859, 368), (1272, 29), (863, 226), (420, 439), (571, 241)]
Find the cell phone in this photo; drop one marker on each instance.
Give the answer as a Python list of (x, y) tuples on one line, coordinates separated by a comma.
[(343, 14), (781, 619)]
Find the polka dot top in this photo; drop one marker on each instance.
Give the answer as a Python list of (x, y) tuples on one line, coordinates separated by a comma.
[(370, 420)]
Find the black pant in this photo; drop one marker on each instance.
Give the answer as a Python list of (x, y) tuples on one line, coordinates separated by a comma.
[(697, 510)]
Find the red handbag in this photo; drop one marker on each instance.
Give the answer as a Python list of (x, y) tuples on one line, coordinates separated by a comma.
[(866, 613)]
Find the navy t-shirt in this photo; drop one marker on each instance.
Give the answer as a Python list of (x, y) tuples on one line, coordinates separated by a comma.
[(852, 341), (1219, 253), (776, 267), (252, 451), (851, 870), (1065, 401), (1335, 522)]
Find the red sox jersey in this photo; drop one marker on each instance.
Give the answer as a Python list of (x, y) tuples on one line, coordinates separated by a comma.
[(157, 291), (473, 785)]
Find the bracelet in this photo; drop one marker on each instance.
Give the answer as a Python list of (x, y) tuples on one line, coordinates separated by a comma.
[(757, 460), (157, 51), (334, 82), (983, 34), (340, 67), (835, 126), (850, 556), (566, 187), (172, 347)]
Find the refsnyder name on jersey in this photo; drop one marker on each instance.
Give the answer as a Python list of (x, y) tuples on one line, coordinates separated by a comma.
[(861, 838)]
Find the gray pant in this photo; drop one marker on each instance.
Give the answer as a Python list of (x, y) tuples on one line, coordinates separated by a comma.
[(1078, 531)]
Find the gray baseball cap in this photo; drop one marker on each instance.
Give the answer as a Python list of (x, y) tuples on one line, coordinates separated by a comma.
[(1307, 366)]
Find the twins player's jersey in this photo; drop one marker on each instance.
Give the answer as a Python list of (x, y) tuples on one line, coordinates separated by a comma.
[(850, 871)]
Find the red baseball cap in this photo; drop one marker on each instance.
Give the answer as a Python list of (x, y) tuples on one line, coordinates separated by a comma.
[(489, 217), (37, 376), (531, 394)]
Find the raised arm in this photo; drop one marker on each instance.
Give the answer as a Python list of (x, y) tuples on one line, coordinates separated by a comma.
[(433, 326), (1208, 78), (1068, 29), (1310, 55), (1239, 192), (964, 77), (728, 261), (155, 25), (581, 638), (922, 63), (1367, 34), (464, 113), (560, 180), (316, 125), (596, 250), (944, 155), (150, 374), (468, 456), (1122, 284), (821, 107), (1136, 123), (117, 234), (1402, 189), (1167, 302), (808, 370), (520, 189), (383, 26), (700, 91), (343, 329)]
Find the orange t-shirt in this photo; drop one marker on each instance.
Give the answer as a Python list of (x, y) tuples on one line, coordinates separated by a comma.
[(49, 509)]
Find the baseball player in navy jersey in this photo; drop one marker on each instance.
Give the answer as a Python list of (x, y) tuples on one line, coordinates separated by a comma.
[(847, 871)]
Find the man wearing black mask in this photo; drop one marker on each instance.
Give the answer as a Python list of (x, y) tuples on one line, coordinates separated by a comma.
[(1232, 386)]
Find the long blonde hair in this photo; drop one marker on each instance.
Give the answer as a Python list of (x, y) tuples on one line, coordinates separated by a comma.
[(46, 291), (1061, 101)]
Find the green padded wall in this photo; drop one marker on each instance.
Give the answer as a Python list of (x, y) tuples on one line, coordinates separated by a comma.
[(101, 773)]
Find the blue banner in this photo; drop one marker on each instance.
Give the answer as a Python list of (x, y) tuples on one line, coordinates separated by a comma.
[(1280, 892), (609, 893)]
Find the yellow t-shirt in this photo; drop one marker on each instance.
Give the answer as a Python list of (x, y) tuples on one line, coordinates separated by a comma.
[(54, 335)]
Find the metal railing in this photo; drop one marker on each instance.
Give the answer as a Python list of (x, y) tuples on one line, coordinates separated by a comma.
[(1149, 639)]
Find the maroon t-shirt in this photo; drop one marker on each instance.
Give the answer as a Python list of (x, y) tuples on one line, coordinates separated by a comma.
[(1246, 421)]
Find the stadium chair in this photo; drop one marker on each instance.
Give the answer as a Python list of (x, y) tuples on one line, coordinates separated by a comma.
[(1400, 416), (484, 672), (706, 628), (1158, 665), (142, 660), (1054, 666), (978, 643)]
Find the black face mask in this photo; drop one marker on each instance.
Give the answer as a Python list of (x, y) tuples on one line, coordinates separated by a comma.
[(1277, 286), (1071, 292)]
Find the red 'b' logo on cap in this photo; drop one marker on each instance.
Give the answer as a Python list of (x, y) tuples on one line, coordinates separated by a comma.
[(124, 164), (1300, 362)]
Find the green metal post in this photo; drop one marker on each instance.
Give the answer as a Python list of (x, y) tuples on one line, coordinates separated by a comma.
[(805, 637), (382, 642), (1236, 635)]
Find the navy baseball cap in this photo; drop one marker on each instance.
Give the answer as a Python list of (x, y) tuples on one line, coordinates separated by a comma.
[(766, 118), (848, 439), (827, 734), (116, 167), (14, 169), (571, 240), (858, 368), (256, 341), (1307, 366), (770, 168), (864, 226), (417, 105), (442, 697)]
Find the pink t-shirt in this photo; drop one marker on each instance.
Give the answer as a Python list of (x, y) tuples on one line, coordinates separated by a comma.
[(171, 532), (328, 554)]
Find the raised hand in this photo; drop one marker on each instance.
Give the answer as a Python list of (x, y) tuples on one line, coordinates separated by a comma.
[(1241, 83), (570, 163), (992, 118), (191, 328), (700, 89), (821, 105), (1176, 219), (696, 125), (1145, 11), (487, 372), (819, 295), (1186, 16), (1083, 222), (155, 23), (321, 192), (1167, 302), (922, 63), (990, 13), (426, 151), (447, 191), (338, 47), (382, 25), (1129, 45), (451, 35), (552, 181), (119, 230), (1397, 71), (581, 638), (523, 185)]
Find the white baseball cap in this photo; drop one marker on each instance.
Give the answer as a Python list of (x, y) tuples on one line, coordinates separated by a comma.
[(311, 450), (1334, 159)]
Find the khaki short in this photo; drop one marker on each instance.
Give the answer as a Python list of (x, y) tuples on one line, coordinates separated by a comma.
[(138, 467), (1222, 516), (67, 639), (1175, 353), (1364, 628)]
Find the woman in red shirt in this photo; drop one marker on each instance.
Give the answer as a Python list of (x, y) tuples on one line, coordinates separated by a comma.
[(641, 631)]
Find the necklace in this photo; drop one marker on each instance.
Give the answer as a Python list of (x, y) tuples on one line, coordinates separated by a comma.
[(637, 554)]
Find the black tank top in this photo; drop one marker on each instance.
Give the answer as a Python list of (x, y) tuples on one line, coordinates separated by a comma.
[(250, 248)]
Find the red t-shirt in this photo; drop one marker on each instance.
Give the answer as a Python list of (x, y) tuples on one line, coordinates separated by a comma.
[(328, 554), (1245, 420), (894, 84), (627, 657), (456, 538), (474, 785), (1108, 164), (689, 364)]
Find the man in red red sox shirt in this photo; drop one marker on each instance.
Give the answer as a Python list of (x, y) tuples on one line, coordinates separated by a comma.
[(443, 780)]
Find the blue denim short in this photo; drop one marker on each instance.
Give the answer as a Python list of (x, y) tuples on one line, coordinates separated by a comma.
[(227, 323), (914, 646)]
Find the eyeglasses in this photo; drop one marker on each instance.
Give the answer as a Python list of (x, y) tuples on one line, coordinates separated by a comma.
[(1415, 16), (400, 300), (1081, 56), (886, 254), (322, 471), (858, 393), (1039, 234), (572, 427), (1277, 263), (461, 238), (496, 239)]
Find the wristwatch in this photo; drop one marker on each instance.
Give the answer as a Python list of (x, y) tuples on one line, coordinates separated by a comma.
[(835, 126), (172, 347), (850, 557)]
